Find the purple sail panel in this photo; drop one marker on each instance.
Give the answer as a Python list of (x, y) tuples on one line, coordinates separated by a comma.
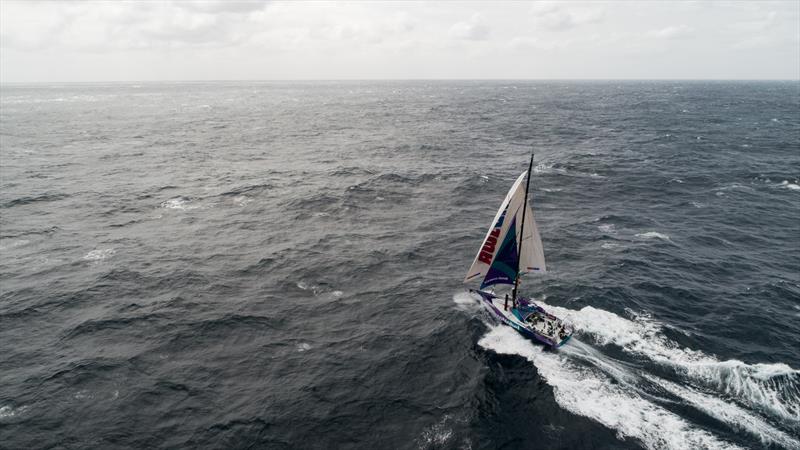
[(504, 267)]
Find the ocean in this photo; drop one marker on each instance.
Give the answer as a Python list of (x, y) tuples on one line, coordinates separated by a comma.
[(280, 265)]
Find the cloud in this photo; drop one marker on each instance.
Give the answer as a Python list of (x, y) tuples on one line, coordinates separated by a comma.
[(534, 43), (671, 32), (473, 30), (179, 39), (221, 6), (556, 16), (759, 23)]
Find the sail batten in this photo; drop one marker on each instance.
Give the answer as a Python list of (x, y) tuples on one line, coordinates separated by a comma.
[(504, 254)]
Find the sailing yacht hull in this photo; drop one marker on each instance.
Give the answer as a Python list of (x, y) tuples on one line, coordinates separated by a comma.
[(515, 318)]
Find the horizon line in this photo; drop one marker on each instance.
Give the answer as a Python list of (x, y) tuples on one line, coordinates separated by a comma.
[(283, 80)]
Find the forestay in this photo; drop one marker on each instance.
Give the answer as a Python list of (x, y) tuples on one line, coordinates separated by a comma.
[(498, 258)]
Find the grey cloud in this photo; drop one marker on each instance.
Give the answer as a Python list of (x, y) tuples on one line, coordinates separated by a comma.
[(235, 7), (671, 32), (559, 17), (473, 30)]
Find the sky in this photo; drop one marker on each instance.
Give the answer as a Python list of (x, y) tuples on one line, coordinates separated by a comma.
[(233, 40)]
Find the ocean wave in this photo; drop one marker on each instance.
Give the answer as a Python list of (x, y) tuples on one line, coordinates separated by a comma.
[(587, 393), (99, 255), (773, 388), (653, 235), (8, 413), (8, 244), (733, 187), (549, 168), (242, 200), (319, 291), (346, 171), (729, 413), (48, 197), (466, 302), (437, 435), (791, 186), (246, 189), (317, 202), (607, 228), (93, 326), (180, 203), (303, 347)]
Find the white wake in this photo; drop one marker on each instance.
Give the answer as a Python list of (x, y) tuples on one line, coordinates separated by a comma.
[(757, 385), (591, 394), (610, 392)]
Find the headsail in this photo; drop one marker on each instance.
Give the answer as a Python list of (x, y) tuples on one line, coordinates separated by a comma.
[(498, 258)]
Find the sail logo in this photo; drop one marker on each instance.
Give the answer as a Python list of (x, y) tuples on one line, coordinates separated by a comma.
[(487, 252), (490, 244)]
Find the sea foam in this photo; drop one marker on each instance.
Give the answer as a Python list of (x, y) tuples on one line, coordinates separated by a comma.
[(730, 413), (590, 394), (791, 186), (772, 388), (653, 235), (99, 255)]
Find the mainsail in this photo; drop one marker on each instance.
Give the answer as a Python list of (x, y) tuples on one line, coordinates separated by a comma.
[(499, 256)]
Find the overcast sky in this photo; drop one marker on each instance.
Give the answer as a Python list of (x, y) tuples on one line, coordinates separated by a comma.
[(182, 40)]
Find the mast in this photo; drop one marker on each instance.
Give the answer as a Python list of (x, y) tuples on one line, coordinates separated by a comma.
[(522, 233)]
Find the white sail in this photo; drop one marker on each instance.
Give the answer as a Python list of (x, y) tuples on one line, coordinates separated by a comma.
[(532, 251), (510, 212), (495, 235)]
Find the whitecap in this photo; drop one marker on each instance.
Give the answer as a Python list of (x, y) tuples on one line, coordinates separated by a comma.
[(437, 435), (733, 186), (653, 235), (303, 347), (546, 168), (242, 200), (757, 385), (697, 204), (181, 203), (587, 393), (729, 413), (466, 302), (83, 395), (791, 186), (607, 228), (99, 255), (609, 245), (318, 290), (8, 412)]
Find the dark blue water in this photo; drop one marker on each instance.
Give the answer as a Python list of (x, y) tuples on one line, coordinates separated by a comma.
[(278, 265)]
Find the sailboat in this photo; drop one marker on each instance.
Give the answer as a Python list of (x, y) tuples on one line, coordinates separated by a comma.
[(511, 248)]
